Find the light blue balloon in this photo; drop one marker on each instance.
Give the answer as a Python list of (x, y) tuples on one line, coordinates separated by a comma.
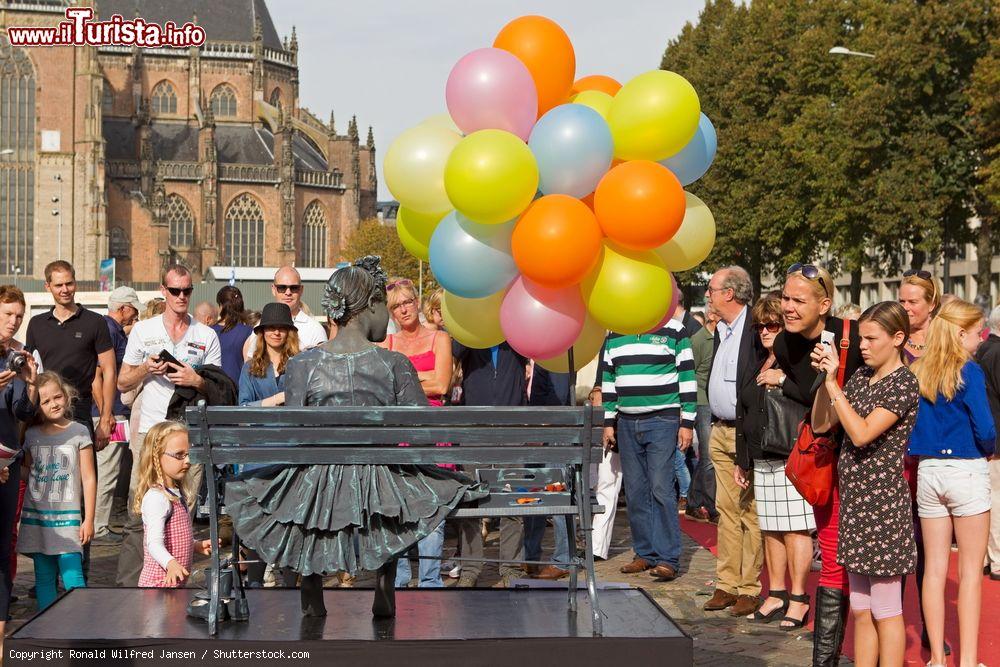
[(694, 159), (573, 148), (470, 259)]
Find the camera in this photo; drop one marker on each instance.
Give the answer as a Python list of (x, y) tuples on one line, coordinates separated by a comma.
[(14, 360)]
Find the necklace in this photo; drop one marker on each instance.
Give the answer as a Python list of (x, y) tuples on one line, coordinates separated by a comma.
[(916, 346)]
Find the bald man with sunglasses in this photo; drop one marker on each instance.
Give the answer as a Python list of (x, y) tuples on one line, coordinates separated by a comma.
[(287, 288)]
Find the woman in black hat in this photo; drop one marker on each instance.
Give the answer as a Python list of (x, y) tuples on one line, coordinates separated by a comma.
[(262, 380), (306, 517)]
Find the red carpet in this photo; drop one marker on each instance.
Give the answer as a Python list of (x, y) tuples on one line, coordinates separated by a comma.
[(989, 640)]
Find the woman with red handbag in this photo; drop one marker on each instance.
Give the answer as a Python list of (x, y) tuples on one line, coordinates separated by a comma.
[(877, 409), (806, 301)]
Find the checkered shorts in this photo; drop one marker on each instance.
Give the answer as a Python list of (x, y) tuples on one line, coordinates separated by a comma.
[(780, 508)]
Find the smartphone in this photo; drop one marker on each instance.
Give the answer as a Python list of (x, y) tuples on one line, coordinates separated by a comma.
[(827, 338), (165, 356)]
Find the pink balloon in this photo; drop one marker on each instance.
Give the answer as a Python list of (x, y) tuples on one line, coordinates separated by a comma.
[(675, 299), (490, 89), (541, 322)]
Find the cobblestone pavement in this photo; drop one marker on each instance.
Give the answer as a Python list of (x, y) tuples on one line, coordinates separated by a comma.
[(718, 638)]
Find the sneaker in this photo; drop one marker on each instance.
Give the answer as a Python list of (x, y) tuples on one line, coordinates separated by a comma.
[(108, 539), (451, 569)]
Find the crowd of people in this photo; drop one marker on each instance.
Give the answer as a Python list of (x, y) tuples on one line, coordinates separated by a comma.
[(906, 393), (701, 416)]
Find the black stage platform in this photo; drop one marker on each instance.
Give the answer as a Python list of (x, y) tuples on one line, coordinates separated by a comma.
[(467, 627)]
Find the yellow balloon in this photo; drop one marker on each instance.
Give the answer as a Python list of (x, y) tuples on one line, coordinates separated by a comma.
[(596, 100), (474, 323), (693, 242), (414, 167), (587, 346), (654, 116), (441, 120), (415, 231), (491, 176), (628, 291)]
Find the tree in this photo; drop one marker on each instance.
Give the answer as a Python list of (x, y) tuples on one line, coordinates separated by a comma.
[(984, 97), (374, 238), (850, 161)]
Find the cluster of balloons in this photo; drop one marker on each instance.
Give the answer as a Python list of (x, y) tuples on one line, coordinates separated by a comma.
[(553, 209)]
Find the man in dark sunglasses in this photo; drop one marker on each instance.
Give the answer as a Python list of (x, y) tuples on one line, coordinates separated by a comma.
[(287, 288), (163, 353)]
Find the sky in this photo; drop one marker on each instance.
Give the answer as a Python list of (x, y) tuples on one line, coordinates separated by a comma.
[(387, 61)]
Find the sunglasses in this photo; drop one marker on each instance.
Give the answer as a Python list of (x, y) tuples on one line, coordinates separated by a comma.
[(810, 272), (772, 327), (179, 456), (403, 282), (177, 291), (919, 273), (294, 289)]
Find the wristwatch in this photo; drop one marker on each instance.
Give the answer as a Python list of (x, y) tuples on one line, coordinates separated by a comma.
[(781, 382)]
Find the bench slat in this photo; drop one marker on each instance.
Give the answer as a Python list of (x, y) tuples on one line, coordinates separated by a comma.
[(395, 455), (402, 416), (260, 434)]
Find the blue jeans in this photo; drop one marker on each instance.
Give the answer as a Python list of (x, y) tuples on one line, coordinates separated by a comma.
[(702, 493), (48, 569), (682, 474), (648, 448), (429, 570), (534, 530)]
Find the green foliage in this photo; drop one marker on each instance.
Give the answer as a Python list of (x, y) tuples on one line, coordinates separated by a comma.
[(374, 238), (845, 160)]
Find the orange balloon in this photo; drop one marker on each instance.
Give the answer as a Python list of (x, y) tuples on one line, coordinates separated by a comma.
[(557, 241), (600, 82), (546, 51), (639, 204)]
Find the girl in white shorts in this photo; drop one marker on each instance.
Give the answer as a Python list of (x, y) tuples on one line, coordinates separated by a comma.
[(954, 437)]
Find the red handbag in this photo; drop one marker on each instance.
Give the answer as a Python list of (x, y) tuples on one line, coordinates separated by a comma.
[(812, 465)]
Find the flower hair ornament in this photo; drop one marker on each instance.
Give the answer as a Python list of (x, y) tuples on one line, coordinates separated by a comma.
[(347, 292)]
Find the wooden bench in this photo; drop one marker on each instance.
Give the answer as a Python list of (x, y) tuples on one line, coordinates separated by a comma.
[(488, 436)]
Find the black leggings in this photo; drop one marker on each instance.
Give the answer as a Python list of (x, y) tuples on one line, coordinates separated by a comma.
[(8, 508)]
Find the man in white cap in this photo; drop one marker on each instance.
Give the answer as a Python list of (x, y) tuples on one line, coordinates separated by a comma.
[(123, 311), (287, 289)]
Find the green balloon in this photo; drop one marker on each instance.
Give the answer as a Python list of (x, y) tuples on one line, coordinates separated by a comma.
[(491, 176), (415, 231)]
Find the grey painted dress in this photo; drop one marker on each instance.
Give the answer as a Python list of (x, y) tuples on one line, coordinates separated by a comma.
[(305, 517), (876, 520)]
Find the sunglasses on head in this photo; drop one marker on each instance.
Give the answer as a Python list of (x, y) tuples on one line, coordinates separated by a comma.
[(919, 273), (772, 327), (177, 291), (403, 282), (809, 272), (294, 289)]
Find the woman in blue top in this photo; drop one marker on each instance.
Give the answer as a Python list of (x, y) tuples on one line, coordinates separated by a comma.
[(954, 437), (232, 329), (262, 380)]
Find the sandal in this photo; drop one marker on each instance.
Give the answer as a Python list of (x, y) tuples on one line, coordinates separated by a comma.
[(777, 612), (796, 623)]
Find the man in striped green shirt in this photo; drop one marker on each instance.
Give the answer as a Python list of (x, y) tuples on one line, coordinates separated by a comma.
[(650, 403)]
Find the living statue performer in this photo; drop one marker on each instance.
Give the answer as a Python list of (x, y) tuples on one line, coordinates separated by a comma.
[(304, 517)]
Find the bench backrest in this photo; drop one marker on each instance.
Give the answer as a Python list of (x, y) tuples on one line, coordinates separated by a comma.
[(487, 435)]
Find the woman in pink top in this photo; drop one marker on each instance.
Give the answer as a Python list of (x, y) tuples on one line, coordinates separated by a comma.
[(430, 353)]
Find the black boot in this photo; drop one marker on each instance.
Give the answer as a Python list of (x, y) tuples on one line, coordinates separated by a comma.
[(828, 627), (311, 592), (384, 605)]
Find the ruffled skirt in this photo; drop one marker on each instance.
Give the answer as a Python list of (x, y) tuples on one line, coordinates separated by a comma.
[(306, 517)]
